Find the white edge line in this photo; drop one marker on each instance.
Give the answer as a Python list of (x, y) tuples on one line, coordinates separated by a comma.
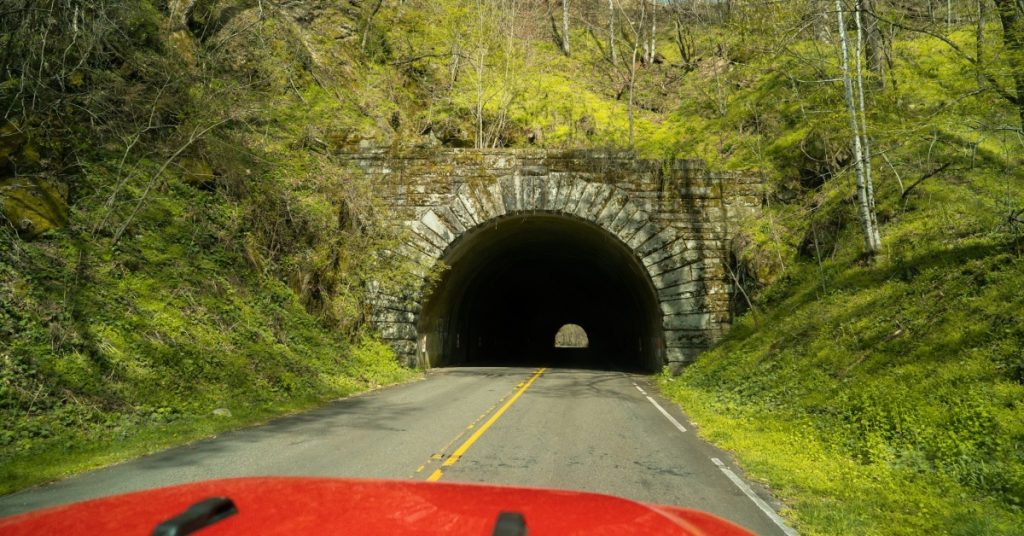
[(638, 388), (667, 416), (786, 529)]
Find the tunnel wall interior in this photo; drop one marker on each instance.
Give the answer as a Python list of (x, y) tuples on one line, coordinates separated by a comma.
[(513, 282)]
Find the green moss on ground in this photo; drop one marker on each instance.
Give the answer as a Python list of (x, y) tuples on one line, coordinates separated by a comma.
[(212, 253), (115, 353), (888, 404), (874, 396)]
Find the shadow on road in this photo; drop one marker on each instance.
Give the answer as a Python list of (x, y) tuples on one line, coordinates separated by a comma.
[(351, 413), (562, 358), (559, 382)]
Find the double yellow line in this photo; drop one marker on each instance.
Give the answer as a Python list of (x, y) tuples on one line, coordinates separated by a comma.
[(438, 473)]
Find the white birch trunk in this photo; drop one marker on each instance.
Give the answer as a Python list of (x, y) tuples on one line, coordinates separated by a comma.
[(865, 142), (864, 204)]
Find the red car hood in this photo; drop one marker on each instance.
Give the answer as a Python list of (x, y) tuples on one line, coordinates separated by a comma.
[(282, 505)]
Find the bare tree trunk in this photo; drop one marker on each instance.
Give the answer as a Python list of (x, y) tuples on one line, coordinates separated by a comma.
[(565, 27), (369, 21), (864, 202), (180, 12), (454, 66), (632, 78), (979, 42), (611, 32), (480, 68), (508, 18), (638, 41), (478, 110), (877, 54), (683, 34), (821, 22), (1011, 15), (651, 52), (684, 44)]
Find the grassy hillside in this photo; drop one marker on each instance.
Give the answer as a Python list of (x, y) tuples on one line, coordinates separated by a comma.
[(178, 238), (889, 403), (875, 396)]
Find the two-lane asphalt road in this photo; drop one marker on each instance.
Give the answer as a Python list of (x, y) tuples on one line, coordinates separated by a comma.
[(587, 430)]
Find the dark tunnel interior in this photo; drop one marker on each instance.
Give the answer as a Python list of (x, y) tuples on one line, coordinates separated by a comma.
[(514, 281)]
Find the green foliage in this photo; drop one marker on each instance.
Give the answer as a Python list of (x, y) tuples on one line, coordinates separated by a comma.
[(374, 362), (218, 251), (902, 377), (879, 397), (216, 254), (157, 332)]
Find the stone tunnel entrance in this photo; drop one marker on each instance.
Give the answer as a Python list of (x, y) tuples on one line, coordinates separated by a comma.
[(514, 281), (633, 251)]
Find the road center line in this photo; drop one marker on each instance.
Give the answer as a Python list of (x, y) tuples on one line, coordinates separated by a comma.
[(667, 416), (437, 474), (745, 488)]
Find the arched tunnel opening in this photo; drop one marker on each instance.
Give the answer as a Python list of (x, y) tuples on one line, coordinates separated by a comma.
[(513, 282)]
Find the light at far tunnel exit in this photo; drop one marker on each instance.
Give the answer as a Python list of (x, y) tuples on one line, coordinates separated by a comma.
[(571, 336)]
